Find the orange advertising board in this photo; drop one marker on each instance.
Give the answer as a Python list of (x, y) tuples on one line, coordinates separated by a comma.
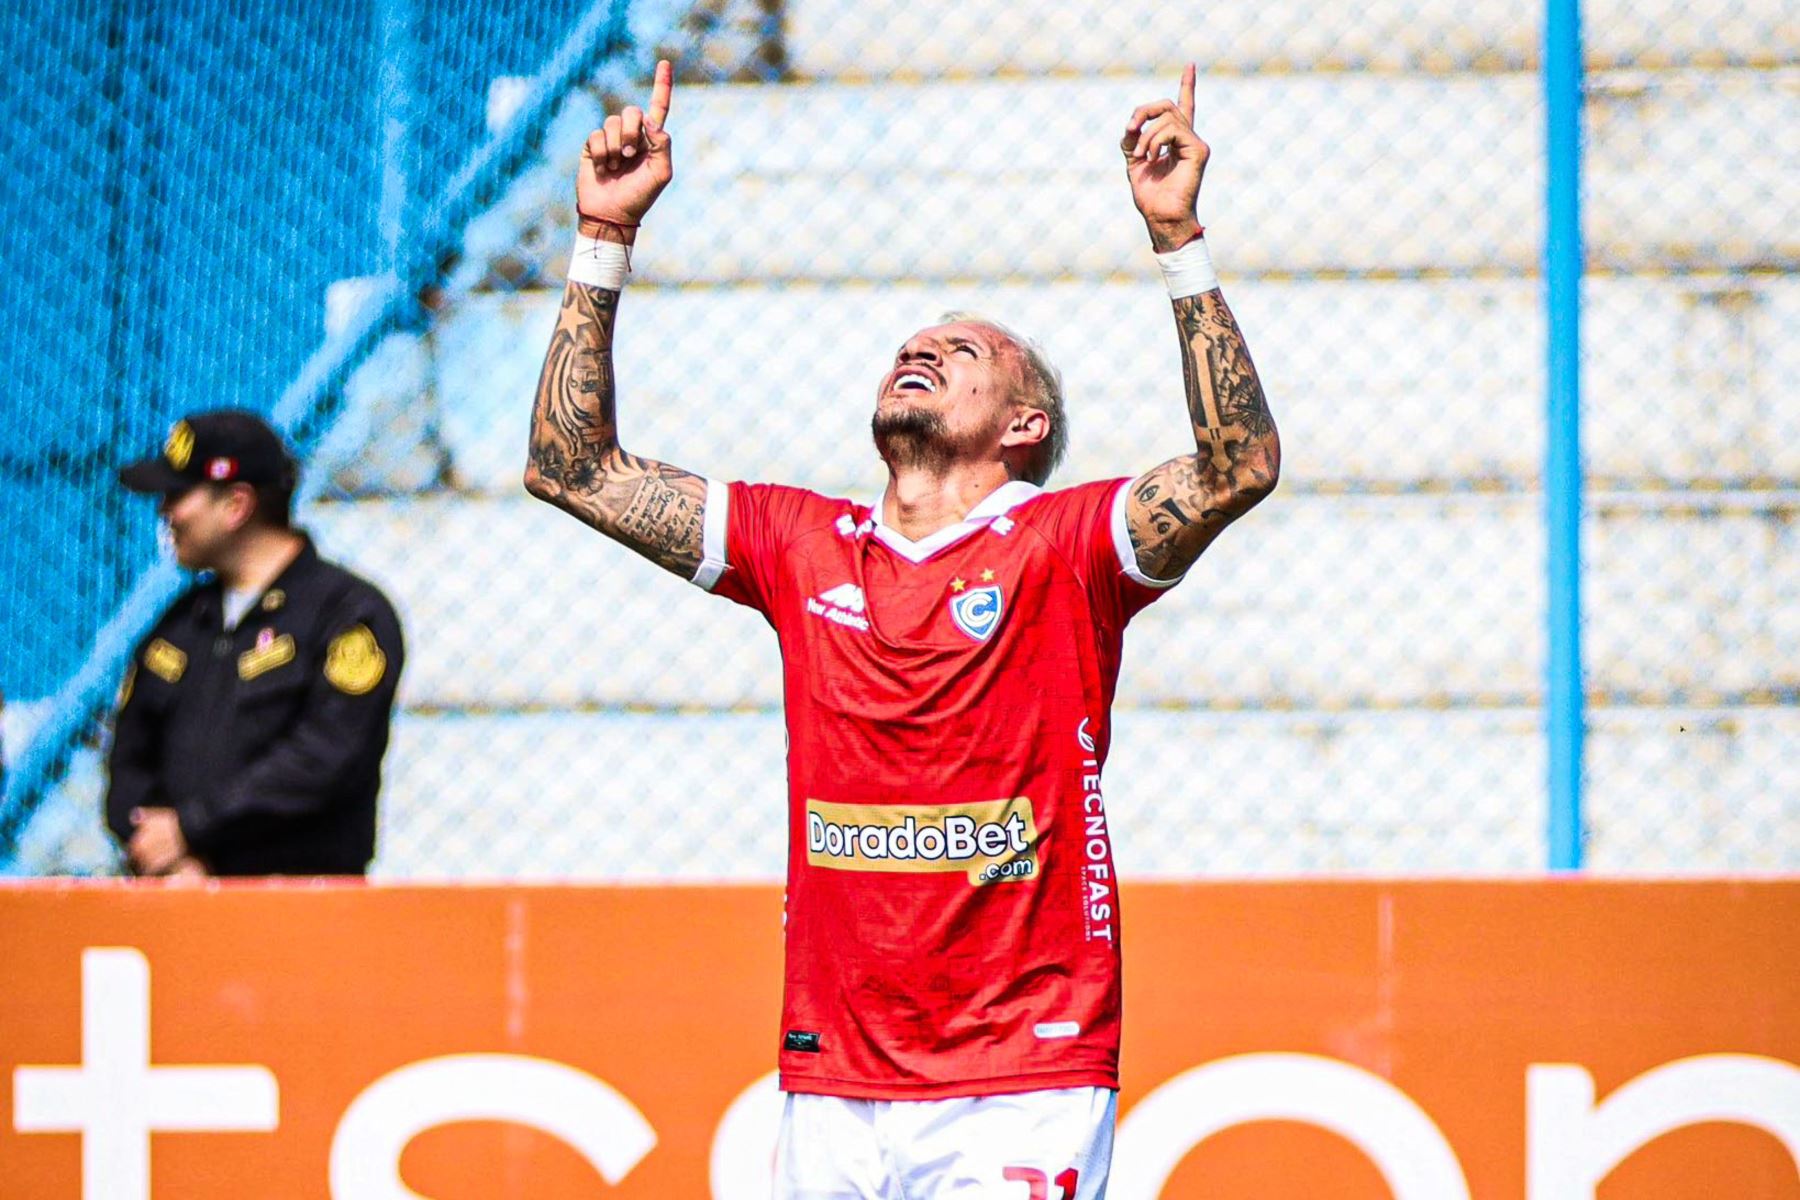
[(1548, 1040)]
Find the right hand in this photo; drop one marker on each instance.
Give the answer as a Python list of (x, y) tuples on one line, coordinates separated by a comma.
[(1165, 160), (156, 840), (626, 164)]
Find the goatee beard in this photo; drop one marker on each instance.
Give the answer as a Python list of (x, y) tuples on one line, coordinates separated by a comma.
[(911, 438)]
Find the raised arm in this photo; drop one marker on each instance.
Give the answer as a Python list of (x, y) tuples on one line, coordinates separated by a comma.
[(1177, 509), (575, 461)]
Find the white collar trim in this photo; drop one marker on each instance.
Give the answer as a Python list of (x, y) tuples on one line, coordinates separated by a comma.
[(998, 503)]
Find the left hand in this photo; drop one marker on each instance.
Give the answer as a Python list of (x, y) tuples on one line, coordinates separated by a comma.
[(1165, 159), (188, 872), (626, 163), (156, 840)]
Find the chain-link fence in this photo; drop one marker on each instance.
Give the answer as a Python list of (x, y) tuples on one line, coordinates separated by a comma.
[(1351, 680), (1691, 419)]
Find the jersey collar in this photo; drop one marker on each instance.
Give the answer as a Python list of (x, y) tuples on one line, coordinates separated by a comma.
[(998, 503)]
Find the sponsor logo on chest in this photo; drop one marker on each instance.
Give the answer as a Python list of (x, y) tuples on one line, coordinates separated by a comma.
[(990, 841)]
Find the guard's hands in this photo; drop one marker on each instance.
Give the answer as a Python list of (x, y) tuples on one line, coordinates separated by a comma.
[(187, 872), (156, 841), (626, 164), (1164, 159)]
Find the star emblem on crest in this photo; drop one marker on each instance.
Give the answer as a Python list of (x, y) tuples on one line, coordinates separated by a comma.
[(957, 585)]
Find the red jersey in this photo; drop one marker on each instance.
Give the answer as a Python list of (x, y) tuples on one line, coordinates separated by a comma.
[(952, 914)]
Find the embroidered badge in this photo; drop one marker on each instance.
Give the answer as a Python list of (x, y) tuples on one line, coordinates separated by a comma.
[(180, 446), (977, 610), (354, 663), (273, 600), (164, 660), (270, 652)]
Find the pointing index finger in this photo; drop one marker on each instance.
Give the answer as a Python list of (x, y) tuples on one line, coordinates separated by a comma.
[(661, 92), (1187, 93)]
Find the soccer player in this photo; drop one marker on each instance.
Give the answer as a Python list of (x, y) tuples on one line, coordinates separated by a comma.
[(950, 1022)]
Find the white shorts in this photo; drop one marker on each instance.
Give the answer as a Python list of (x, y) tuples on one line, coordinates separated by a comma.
[(1046, 1145)]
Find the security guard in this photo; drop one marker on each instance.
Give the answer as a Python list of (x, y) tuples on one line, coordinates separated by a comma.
[(254, 716)]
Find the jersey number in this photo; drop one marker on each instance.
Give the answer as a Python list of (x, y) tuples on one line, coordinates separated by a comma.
[(1040, 1182)]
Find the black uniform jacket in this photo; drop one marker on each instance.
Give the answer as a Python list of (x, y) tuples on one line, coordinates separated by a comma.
[(266, 740)]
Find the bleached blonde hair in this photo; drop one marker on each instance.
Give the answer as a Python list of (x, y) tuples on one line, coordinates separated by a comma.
[(1045, 392)]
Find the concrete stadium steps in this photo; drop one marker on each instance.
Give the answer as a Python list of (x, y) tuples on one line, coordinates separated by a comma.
[(1374, 383), (573, 712), (1395, 174), (1315, 602), (923, 38), (636, 796)]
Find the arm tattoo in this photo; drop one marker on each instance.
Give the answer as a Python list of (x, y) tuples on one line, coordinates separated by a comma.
[(1180, 506), (662, 514), (1226, 399), (575, 460), (573, 422)]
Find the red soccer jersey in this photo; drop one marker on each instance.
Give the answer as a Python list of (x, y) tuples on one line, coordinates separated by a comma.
[(952, 912)]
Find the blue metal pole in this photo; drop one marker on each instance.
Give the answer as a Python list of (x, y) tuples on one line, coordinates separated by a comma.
[(397, 102), (1564, 717)]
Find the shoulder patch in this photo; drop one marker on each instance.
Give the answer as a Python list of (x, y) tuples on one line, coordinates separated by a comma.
[(165, 660), (354, 663)]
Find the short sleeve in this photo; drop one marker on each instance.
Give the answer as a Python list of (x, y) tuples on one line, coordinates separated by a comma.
[(1088, 525), (747, 528)]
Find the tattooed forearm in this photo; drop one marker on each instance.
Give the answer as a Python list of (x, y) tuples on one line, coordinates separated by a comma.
[(1179, 507), (1225, 398), (575, 460), (572, 421)]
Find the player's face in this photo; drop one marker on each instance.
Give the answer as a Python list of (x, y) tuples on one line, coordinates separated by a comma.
[(201, 523), (949, 395)]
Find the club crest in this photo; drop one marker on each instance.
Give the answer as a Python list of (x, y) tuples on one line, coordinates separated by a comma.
[(977, 611)]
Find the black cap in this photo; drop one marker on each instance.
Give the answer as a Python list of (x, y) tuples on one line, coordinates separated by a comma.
[(230, 445)]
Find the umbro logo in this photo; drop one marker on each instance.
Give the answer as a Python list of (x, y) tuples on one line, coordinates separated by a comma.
[(843, 604)]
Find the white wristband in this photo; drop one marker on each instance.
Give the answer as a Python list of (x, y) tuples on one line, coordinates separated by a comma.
[(1189, 270), (598, 263)]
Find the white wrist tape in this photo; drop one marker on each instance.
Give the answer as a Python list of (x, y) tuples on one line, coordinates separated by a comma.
[(598, 263), (1189, 270)]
